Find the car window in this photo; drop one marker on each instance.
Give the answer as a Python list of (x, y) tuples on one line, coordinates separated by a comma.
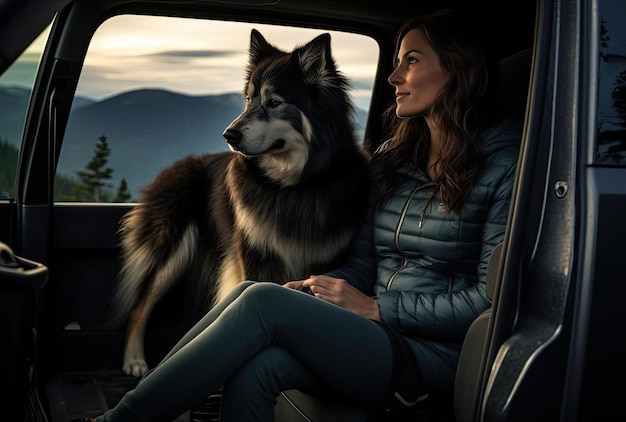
[(154, 89), (611, 147), (16, 85)]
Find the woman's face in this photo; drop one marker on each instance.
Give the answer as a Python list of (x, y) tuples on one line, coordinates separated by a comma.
[(418, 77)]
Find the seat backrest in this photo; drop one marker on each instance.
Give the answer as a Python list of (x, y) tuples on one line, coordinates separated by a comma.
[(472, 359), (513, 86), (513, 83)]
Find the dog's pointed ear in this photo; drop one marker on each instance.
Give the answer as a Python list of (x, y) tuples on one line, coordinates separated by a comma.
[(259, 48), (315, 59)]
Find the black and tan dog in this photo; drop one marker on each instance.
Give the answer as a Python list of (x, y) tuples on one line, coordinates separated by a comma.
[(281, 205)]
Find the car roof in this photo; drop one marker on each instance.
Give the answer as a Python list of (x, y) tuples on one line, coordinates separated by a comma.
[(21, 21)]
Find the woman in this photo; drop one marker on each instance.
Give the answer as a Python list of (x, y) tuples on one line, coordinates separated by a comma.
[(416, 273)]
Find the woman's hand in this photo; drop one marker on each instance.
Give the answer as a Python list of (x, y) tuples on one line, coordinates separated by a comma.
[(341, 293), (293, 284)]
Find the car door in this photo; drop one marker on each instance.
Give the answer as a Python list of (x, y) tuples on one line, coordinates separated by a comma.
[(555, 350), (21, 280)]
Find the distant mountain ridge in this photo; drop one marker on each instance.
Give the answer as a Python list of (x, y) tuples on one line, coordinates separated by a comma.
[(147, 129), (13, 102)]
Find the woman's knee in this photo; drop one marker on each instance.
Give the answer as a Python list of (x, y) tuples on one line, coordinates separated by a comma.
[(263, 293), (270, 302), (241, 287)]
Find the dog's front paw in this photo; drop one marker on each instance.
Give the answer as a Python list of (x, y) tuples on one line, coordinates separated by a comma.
[(136, 367)]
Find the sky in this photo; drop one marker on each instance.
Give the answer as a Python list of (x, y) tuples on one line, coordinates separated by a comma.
[(192, 56)]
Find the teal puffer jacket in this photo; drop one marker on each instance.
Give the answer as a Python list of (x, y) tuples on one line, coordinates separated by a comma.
[(430, 265)]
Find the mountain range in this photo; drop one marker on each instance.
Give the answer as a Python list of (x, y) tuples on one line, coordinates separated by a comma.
[(146, 129)]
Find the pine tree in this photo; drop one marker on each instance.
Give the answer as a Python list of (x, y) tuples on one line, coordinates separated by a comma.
[(65, 188), (618, 95), (122, 195), (8, 167), (92, 180)]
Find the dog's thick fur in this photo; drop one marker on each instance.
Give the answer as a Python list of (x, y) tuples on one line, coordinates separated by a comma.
[(281, 205)]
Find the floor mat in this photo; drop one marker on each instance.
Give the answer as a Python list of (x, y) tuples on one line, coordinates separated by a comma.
[(74, 395)]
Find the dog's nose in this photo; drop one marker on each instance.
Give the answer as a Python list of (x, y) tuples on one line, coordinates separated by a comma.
[(233, 136)]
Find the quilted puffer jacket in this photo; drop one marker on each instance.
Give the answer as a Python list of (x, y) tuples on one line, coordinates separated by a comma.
[(429, 265)]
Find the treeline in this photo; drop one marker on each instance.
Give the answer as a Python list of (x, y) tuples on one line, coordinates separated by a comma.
[(8, 168), (89, 185)]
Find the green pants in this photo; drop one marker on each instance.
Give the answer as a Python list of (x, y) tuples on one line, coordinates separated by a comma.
[(260, 340)]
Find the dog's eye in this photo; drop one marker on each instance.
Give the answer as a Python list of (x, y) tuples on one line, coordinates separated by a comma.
[(273, 102), (247, 99)]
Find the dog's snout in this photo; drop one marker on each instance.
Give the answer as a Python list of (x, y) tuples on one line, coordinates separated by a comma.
[(233, 136)]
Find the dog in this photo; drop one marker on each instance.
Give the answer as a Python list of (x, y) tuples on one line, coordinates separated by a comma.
[(281, 204)]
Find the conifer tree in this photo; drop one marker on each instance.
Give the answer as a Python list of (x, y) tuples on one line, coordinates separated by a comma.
[(92, 179), (122, 195), (8, 166)]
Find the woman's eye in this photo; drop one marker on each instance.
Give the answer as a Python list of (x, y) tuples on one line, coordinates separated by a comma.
[(412, 60)]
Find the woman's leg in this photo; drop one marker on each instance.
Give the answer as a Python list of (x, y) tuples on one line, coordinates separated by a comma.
[(250, 394), (208, 319), (344, 350)]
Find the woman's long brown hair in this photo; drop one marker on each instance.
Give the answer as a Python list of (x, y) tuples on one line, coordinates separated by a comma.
[(456, 111)]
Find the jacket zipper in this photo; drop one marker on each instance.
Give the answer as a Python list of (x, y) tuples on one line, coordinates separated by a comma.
[(396, 239)]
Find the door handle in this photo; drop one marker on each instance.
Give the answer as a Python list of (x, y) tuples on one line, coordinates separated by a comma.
[(20, 275)]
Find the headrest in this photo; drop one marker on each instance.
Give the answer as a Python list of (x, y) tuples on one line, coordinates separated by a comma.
[(514, 80)]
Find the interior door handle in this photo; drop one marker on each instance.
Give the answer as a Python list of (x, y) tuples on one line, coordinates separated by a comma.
[(20, 275)]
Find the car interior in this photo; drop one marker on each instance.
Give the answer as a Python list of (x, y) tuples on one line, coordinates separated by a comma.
[(61, 258)]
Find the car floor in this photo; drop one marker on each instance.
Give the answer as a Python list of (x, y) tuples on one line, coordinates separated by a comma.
[(73, 395), (88, 394)]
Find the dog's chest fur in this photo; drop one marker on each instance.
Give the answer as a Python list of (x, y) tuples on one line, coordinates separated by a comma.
[(287, 227)]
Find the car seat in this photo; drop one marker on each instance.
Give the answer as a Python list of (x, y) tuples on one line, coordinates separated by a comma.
[(294, 405), (513, 83), (471, 361), (513, 97)]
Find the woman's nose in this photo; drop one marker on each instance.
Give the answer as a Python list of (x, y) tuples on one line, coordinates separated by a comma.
[(393, 79)]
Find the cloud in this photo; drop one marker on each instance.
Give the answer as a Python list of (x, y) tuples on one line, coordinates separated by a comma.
[(195, 53), (20, 74), (193, 56)]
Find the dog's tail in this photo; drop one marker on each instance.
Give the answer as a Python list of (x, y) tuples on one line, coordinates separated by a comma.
[(152, 262)]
